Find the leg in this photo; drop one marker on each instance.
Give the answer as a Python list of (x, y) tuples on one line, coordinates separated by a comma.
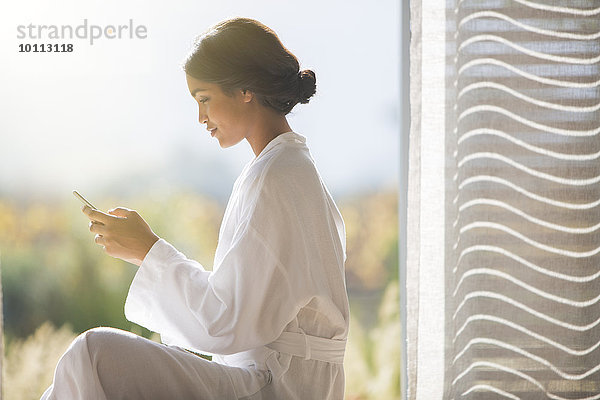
[(107, 363)]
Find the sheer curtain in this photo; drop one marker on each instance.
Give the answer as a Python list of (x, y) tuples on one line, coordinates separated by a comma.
[(503, 259)]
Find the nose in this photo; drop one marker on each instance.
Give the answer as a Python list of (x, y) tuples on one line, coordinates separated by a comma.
[(202, 117)]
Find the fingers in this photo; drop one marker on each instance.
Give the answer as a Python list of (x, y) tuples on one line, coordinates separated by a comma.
[(97, 227), (99, 239), (120, 212), (107, 245), (121, 232), (96, 215)]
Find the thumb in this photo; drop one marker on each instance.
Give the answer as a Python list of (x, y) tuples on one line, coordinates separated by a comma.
[(120, 212)]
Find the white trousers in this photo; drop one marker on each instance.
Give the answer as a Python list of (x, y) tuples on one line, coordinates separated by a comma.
[(108, 363)]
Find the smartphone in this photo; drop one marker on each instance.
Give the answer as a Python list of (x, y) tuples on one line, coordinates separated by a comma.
[(83, 199)]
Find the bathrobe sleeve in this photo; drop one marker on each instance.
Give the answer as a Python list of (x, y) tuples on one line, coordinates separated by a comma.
[(246, 302)]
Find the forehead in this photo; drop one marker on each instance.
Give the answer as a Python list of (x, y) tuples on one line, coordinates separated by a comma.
[(197, 86)]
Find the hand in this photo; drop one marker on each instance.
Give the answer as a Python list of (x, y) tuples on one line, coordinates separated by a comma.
[(122, 233)]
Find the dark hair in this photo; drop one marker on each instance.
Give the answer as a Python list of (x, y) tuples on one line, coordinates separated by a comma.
[(242, 53)]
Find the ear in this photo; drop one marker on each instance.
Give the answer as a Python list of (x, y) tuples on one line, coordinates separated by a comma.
[(247, 95)]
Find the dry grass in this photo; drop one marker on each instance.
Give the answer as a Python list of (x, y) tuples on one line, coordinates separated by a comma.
[(29, 364), (372, 361)]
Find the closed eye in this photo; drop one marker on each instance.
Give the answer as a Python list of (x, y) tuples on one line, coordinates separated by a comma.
[(203, 100)]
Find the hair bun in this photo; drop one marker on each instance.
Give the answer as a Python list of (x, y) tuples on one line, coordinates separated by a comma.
[(308, 85)]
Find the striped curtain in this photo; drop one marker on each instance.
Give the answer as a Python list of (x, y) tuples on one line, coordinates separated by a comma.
[(503, 266)]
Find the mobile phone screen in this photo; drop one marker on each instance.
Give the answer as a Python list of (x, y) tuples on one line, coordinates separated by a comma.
[(83, 199)]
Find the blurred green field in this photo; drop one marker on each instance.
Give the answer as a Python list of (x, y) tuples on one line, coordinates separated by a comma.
[(57, 282)]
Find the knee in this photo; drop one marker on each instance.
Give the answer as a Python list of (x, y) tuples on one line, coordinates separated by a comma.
[(93, 344), (103, 342), (89, 358), (81, 355)]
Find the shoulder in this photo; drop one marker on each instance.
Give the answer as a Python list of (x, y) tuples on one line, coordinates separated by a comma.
[(290, 169), (284, 178)]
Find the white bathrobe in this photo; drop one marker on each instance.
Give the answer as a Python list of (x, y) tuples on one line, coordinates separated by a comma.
[(274, 310)]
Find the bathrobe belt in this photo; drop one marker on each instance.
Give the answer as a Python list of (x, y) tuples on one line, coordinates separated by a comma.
[(310, 347)]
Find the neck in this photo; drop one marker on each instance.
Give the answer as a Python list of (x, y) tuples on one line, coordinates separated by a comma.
[(266, 129)]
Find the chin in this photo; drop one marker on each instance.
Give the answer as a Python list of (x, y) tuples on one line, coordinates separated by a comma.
[(228, 143)]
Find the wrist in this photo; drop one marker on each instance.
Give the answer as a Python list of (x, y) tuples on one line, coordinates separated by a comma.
[(152, 239)]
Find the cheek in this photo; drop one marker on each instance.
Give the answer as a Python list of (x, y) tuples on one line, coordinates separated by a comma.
[(238, 114)]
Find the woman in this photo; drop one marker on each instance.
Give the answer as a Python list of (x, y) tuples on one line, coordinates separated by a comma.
[(274, 310)]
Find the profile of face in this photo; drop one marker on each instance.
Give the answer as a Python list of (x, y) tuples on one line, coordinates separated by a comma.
[(226, 117)]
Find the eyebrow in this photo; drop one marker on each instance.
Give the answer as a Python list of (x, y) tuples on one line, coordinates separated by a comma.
[(197, 90)]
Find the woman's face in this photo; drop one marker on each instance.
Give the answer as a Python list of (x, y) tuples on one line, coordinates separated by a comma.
[(226, 118)]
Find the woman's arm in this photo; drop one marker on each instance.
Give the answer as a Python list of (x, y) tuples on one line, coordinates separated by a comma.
[(245, 303)]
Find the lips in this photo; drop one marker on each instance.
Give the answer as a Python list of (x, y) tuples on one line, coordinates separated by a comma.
[(212, 131)]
